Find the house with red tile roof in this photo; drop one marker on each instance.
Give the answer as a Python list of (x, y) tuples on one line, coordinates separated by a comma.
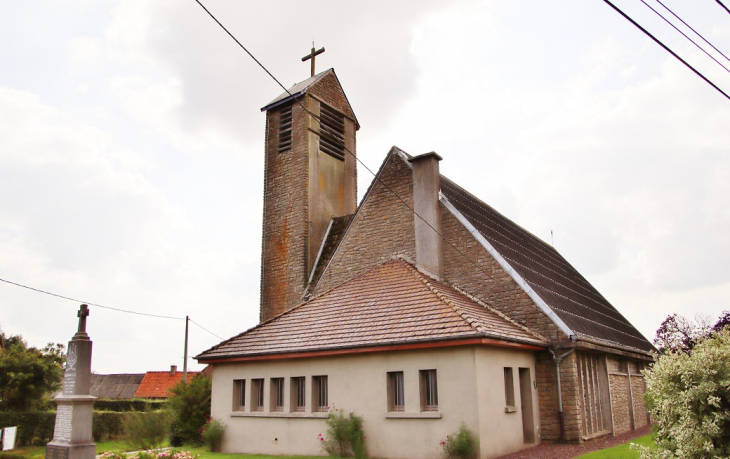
[(157, 384), (418, 309)]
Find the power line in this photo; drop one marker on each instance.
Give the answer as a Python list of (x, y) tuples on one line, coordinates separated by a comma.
[(91, 304), (191, 320), (723, 5), (666, 48), (341, 143), (685, 35), (107, 307), (693, 30)]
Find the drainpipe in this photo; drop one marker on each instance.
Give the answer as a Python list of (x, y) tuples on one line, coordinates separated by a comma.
[(557, 361)]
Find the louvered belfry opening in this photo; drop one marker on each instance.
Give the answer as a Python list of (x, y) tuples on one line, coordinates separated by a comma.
[(332, 132), (596, 405), (285, 123)]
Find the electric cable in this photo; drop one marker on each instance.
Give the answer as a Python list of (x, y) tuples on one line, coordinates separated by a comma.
[(498, 282), (685, 35), (723, 5), (191, 320), (667, 48), (693, 30), (92, 304)]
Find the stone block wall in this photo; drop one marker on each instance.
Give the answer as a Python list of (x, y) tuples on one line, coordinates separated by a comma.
[(638, 387)]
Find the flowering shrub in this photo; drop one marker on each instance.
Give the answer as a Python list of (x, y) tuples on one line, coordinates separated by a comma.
[(688, 395), (462, 444), (212, 434), (345, 436)]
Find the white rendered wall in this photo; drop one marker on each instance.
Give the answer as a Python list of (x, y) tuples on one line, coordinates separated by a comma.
[(470, 379)]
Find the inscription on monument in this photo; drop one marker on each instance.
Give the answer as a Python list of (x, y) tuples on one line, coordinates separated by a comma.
[(56, 452), (64, 418)]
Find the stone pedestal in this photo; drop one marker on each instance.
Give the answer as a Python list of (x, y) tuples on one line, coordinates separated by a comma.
[(72, 437)]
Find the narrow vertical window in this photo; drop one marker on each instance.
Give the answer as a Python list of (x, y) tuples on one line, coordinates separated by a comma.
[(285, 124), (332, 132), (319, 388), (298, 394), (509, 388), (396, 391), (429, 391), (277, 394), (257, 395), (239, 395)]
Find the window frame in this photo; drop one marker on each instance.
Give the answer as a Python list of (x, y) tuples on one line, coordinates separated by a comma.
[(509, 389), (320, 394), (239, 395), (298, 394), (257, 394), (396, 391), (277, 394), (429, 390)]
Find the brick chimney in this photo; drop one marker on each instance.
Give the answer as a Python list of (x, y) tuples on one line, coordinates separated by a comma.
[(426, 186), (173, 370)]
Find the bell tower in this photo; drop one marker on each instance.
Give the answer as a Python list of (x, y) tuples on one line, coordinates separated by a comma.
[(309, 178)]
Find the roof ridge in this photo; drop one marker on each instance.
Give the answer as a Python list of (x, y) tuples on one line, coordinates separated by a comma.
[(473, 323)]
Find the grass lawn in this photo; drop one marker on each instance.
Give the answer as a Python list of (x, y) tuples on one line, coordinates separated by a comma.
[(621, 451)]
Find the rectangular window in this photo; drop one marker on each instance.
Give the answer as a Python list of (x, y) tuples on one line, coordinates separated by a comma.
[(239, 395), (509, 387), (298, 394), (429, 391), (319, 393), (277, 394), (285, 123), (332, 132), (396, 391), (257, 395)]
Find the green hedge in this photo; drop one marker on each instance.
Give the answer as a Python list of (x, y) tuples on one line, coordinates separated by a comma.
[(36, 428), (136, 404)]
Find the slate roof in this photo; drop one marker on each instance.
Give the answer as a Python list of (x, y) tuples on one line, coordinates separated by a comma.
[(392, 303), (568, 294), (118, 386), (295, 91), (156, 384)]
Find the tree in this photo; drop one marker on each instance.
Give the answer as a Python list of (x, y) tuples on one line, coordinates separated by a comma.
[(189, 405), (28, 374), (688, 395), (680, 334)]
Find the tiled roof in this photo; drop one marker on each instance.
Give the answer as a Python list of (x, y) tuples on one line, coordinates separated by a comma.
[(576, 302), (390, 304), (119, 386), (155, 384)]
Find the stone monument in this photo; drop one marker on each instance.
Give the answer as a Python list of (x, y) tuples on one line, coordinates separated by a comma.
[(72, 434)]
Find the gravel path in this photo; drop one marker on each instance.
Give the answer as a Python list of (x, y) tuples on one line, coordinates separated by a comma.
[(571, 451)]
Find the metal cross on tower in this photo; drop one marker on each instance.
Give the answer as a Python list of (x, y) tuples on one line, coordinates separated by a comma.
[(311, 56)]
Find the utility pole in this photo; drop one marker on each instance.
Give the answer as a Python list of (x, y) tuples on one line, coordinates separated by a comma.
[(185, 363)]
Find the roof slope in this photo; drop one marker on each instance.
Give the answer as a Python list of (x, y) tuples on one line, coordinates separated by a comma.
[(118, 386), (156, 384), (392, 303), (576, 302)]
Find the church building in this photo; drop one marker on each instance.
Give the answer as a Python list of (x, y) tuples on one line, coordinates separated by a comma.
[(418, 309)]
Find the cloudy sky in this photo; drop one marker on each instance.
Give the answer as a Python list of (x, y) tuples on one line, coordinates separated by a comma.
[(131, 149)]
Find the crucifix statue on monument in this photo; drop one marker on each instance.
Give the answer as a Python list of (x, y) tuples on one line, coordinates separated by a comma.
[(311, 56)]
